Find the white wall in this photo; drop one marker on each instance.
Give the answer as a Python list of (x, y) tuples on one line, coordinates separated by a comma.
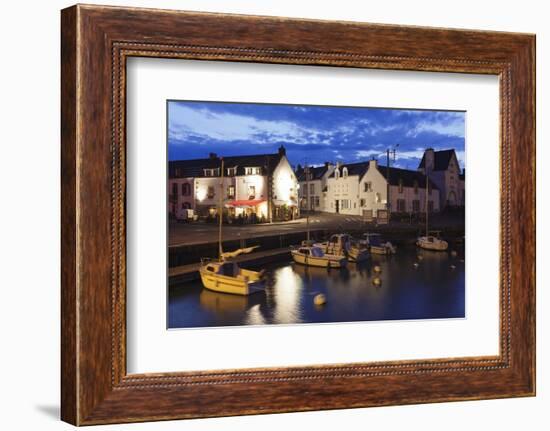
[(29, 176), (378, 186), (285, 183)]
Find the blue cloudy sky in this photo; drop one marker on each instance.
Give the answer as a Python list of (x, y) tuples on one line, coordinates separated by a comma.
[(312, 134)]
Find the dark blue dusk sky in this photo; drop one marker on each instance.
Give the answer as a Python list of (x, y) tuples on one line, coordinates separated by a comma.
[(312, 134)]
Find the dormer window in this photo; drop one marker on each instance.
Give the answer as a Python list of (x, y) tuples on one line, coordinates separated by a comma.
[(336, 174), (400, 185), (231, 172), (345, 172), (252, 171), (211, 172)]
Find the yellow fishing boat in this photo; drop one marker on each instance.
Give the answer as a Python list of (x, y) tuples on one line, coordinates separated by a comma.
[(315, 256), (226, 276)]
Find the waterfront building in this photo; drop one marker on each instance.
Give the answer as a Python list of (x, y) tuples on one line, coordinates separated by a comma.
[(343, 188), (444, 170), (362, 188), (313, 190), (260, 187)]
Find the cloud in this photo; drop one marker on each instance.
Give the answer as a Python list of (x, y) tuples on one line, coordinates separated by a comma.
[(315, 134), (188, 122), (446, 123)]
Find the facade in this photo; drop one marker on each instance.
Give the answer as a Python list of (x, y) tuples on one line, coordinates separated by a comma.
[(343, 188), (358, 188), (444, 170), (257, 187), (313, 190)]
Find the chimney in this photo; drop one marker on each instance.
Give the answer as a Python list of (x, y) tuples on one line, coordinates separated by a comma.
[(282, 151), (429, 160), (373, 163), (328, 165), (213, 155)]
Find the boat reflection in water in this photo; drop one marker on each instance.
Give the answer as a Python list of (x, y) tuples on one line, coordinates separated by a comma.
[(414, 284)]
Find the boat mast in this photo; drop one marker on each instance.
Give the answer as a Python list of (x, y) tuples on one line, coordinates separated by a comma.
[(308, 205), (220, 215), (426, 193)]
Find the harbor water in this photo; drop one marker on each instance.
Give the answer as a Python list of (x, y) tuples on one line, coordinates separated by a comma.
[(414, 284)]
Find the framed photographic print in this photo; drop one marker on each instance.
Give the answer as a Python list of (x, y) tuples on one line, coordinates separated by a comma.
[(329, 214)]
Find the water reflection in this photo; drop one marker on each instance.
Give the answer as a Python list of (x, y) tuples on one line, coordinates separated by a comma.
[(415, 284)]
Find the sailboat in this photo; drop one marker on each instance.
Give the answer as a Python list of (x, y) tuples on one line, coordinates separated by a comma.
[(342, 244), (431, 240), (224, 275), (311, 255)]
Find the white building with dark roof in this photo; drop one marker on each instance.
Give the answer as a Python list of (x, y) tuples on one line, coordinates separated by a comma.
[(444, 170), (361, 188), (260, 186), (313, 190)]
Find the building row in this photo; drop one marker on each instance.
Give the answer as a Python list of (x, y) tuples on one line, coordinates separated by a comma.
[(266, 188), (367, 187), (262, 187)]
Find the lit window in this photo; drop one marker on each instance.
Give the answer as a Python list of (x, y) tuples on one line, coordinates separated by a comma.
[(251, 192), (252, 171)]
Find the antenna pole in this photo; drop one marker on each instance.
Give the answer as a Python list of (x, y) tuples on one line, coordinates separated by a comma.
[(308, 205), (220, 215)]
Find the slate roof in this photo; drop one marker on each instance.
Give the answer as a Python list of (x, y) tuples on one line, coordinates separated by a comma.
[(408, 177), (441, 160), (195, 168), (354, 168), (316, 173)]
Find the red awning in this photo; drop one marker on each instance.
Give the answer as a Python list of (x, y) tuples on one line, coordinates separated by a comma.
[(245, 203)]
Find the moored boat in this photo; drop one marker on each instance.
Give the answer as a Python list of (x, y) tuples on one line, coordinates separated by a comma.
[(376, 245), (315, 256), (228, 277), (224, 275), (343, 245), (432, 241)]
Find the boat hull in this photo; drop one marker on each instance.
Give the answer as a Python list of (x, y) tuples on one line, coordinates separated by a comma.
[(434, 246), (358, 255), (234, 285), (321, 262), (374, 249), (355, 254)]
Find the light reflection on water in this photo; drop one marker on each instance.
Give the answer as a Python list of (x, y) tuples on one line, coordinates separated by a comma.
[(430, 289)]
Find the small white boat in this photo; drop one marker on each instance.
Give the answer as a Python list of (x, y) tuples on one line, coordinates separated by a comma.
[(432, 242), (376, 245), (315, 256), (432, 239), (343, 245)]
